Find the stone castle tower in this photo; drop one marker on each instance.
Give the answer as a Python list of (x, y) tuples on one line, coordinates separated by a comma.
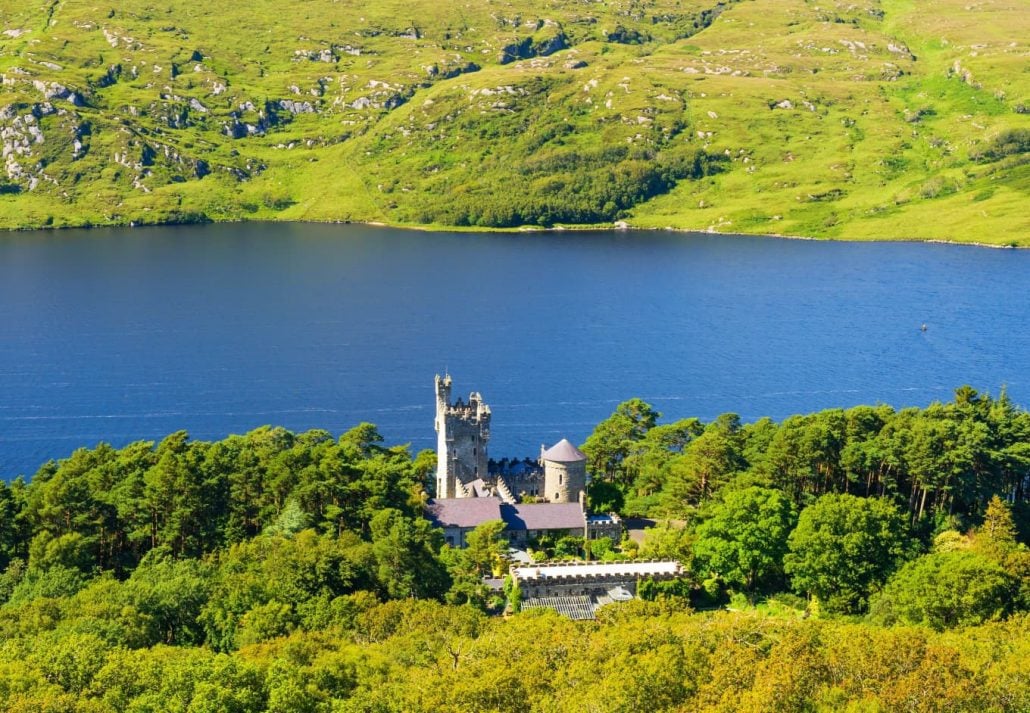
[(565, 472), (462, 433)]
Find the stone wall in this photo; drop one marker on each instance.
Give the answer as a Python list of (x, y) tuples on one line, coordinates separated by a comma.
[(609, 526), (575, 584), (564, 482), (463, 432)]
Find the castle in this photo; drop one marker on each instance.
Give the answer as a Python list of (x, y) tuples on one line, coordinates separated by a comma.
[(533, 499), (546, 499), (463, 466)]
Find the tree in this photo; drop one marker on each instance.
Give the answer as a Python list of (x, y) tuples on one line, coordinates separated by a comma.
[(11, 536), (290, 521), (803, 457), (169, 595), (667, 541), (938, 457), (613, 439), (485, 551), (406, 553), (705, 465), (844, 548), (646, 466), (996, 538), (603, 496), (424, 468), (745, 538), (486, 547), (945, 589)]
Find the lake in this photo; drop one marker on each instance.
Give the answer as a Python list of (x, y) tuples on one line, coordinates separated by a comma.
[(125, 334)]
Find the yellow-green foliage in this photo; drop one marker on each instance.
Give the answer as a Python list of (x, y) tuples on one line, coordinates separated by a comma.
[(872, 119), (421, 656), (275, 571)]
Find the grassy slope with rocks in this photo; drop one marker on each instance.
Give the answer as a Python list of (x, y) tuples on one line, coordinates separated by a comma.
[(866, 119)]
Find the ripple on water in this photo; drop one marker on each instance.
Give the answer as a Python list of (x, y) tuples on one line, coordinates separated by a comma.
[(120, 335)]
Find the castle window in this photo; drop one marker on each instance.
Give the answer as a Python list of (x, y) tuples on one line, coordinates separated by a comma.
[(559, 478)]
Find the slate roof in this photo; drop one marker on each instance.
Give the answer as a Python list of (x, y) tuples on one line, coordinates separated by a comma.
[(463, 512), (578, 607), (543, 516), (478, 486), (563, 452)]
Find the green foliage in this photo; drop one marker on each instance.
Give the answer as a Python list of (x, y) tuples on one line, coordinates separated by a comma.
[(277, 577), (600, 549), (485, 554), (668, 541), (405, 550), (613, 440), (603, 496), (169, 597), (705, 465), (944, 462), (650, 590), (248, 575), (513, 593), (996, 537), (568, 547), (945, 590), (744, 538), (290, 521), (844, 548), (1011, 142), (533, 114), (54, 582)]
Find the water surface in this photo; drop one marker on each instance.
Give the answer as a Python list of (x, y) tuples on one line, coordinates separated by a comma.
[(127, 334)]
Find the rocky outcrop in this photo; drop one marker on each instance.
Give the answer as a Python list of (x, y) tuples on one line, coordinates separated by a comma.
[(110, 77), (240, 127), (326, 55), (451, 70), (296, 107), (535, 46), (53, 90), (627, 36)]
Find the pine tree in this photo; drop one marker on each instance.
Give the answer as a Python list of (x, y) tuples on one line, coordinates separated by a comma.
[(996, 538)]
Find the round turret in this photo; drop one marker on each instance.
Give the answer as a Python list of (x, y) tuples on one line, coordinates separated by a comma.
[(565, 472)]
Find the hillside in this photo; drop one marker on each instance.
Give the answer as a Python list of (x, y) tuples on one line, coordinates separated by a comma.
[(866, 119)]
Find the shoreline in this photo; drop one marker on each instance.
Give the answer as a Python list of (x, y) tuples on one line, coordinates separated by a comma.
[(618, 227)]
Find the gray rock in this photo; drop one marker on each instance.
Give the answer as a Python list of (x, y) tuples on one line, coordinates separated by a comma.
[(296, 107)]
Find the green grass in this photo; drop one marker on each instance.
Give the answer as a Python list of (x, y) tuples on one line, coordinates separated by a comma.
[(865, 120)]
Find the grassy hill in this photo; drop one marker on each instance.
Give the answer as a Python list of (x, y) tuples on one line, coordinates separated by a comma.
[(866, 119)]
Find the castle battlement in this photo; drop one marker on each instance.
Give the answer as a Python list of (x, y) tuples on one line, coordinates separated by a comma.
[(463, 468), (472, 411), (463, 432)]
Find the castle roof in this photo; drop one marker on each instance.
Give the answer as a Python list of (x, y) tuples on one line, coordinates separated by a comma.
[(563, 452), (543, 516), (463, 512)]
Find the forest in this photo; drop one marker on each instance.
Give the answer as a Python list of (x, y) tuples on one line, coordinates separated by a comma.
[(864, 559)]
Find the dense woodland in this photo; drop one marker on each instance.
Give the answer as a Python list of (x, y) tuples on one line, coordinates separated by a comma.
[(864, 559)]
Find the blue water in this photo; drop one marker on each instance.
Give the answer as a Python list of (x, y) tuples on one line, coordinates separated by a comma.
[(120, 335)]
